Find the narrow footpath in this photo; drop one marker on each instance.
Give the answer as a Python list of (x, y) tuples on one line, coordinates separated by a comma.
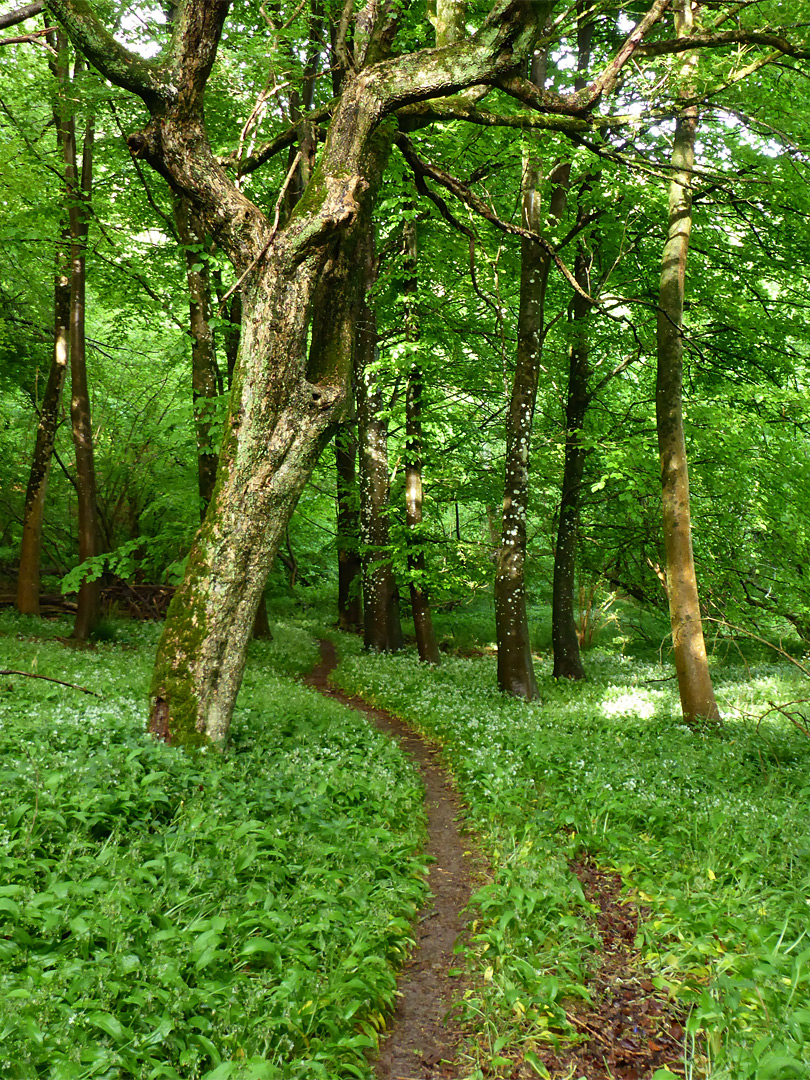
[(422, 1039)]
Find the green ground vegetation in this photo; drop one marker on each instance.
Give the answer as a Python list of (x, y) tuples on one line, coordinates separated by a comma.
[(204, 915), (182, 914), (706, 827)]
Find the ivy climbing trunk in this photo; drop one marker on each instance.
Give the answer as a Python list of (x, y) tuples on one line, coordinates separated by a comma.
[(691, 663), (80, 188), (285, 402)]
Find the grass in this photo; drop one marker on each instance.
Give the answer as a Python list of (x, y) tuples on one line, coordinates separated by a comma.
[(240, 915), (194, 915), (708, 829)]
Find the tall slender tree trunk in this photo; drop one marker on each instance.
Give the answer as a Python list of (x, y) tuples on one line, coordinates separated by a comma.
[(691, 663), (31, 550), (515, 667), (87, 613), (420, 601), (564, 637), (206, 380), (28, 580), (382, 631), (350, 607)]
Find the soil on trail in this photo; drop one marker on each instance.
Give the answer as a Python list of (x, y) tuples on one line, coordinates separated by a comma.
[(423, 1038), (628, 1029)]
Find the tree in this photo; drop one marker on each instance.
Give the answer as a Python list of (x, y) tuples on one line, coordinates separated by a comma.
[(694, 680), (282, 409), (28, 579)]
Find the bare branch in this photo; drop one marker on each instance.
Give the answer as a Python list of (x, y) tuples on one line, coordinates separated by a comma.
[(13, 18)]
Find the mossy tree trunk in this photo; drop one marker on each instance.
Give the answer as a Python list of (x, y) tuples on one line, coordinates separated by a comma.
[(382, 630), (283, 408), (691, 663)]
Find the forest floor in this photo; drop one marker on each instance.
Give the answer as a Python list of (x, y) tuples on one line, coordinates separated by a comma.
[(627, 1031), (639, 887), (423, 1038)]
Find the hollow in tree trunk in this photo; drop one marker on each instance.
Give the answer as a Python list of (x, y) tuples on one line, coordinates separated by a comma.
[(691, 663)]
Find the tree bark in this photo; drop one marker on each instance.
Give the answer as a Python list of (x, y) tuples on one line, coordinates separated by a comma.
[(28, 580), (350, 607), (89, 598), (515, 667), (691, 663), (382, 631), (420, 602), (206, 381), (564, 636), (282, 408)]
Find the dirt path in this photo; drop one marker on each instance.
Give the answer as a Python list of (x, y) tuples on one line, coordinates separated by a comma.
[(627, 1031), (421, 1044)]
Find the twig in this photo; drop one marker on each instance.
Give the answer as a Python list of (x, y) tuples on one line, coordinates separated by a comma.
[(47, 678), (273, 231)]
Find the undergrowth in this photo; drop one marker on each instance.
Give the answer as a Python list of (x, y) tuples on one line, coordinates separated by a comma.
[(186, 915), (708, 829)]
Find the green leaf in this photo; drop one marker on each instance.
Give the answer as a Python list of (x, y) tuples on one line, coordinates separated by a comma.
[(110, 1025)]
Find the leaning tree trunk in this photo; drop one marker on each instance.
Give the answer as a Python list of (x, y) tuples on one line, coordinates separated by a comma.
[(350, 608), (515, 667), (691, 663), (420, 601), (282, 408), (89, 598), (28, 580)]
